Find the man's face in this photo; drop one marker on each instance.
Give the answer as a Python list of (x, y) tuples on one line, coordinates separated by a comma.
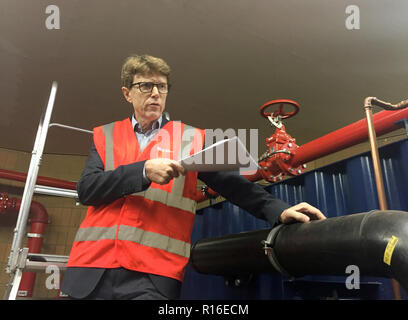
[(148, 107)]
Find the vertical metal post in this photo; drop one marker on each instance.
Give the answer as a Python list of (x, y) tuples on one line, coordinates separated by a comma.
[(378, 175), (376, 159), (32, 174)]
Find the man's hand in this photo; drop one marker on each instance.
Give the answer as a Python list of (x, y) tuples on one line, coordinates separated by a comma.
[(162, 170), (302, 212)]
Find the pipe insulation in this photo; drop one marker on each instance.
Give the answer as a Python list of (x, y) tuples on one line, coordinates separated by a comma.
[(376, 242)]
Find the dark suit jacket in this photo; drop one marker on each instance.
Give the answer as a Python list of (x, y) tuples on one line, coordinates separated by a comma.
[(98, 187)]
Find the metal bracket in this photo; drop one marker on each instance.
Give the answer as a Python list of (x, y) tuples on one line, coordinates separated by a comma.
[(267, 155), (31, 262), (268, 245), (22, 258), (277, 122), (204, 191), (17, 273)]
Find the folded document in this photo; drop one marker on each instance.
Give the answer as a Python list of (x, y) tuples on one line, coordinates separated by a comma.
[(227, 154)]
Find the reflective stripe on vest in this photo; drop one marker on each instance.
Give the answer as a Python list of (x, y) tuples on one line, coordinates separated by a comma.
[(173, 199), (128, 233), (96, 233), (169, 199), (108, 132)]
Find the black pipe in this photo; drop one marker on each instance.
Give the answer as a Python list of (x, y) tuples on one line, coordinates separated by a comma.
[(376, 242)]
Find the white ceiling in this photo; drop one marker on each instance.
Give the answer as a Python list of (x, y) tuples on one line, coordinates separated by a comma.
[(228, 57)]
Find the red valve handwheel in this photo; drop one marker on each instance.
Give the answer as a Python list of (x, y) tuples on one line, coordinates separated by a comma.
[(279, 111)]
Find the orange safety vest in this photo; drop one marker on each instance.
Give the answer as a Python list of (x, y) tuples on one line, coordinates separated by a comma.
[(148, 231)]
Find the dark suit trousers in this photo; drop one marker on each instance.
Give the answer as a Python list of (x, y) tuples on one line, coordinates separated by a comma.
[(118, 284)]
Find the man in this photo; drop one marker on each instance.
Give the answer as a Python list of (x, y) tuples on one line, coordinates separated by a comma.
[(134, 242)]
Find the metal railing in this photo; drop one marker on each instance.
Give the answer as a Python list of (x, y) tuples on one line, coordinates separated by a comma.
[(20, 259)]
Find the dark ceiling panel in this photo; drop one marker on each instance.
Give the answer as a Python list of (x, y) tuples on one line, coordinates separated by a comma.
[(228, 58)]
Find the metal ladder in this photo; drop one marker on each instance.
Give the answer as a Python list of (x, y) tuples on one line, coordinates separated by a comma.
[(20, 259)]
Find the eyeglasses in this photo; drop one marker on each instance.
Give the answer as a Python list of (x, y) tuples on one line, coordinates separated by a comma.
[(147, 87)]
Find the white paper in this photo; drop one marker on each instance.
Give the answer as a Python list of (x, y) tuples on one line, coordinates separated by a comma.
[(227, 154)]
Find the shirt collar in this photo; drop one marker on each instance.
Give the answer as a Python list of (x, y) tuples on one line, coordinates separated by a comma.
[(136, 126)]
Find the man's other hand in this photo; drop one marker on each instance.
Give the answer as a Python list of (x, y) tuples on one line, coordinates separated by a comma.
[(162, 170), (302, 212)]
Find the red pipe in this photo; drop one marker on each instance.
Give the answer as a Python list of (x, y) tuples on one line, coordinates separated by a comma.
[(45, 181), (350, 135), (39, 220), (345, 137)]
